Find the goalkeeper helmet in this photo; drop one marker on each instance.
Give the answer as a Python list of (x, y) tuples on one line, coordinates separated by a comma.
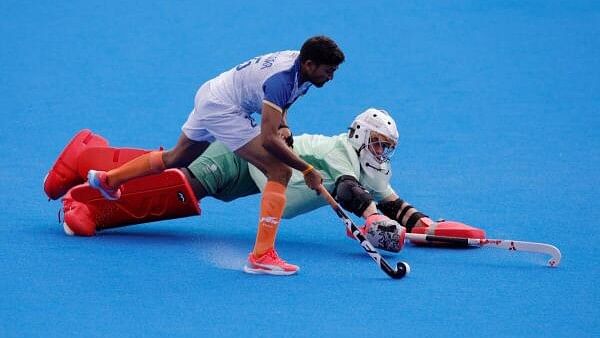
[(373, 134)]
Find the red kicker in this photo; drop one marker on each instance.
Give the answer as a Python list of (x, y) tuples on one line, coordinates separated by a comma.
[(512, 246)]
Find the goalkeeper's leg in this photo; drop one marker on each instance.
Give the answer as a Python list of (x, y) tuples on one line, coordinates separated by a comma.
[(85, 151), (152, 198), (171, 194)]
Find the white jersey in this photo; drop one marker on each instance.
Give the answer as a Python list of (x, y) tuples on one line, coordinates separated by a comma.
[(223, 106), (271, 78)]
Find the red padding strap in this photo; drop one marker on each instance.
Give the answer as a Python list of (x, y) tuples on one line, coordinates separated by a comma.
[(106, 158)]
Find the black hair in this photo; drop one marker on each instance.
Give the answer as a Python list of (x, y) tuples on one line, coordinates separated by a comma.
[(321, 50)]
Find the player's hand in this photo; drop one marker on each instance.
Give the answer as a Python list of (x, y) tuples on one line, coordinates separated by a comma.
[(380, 220), (373, 221), (286, 134), (313, 179), (384, 233)]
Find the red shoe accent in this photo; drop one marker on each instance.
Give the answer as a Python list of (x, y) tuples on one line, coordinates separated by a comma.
[(64, 175), (269, 263)]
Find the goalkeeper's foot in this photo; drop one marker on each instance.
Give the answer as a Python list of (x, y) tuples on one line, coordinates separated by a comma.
[(269, 263)]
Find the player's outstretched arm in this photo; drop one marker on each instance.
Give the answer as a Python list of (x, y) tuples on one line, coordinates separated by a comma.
[(274, 144), (401, 211), (417, 222)]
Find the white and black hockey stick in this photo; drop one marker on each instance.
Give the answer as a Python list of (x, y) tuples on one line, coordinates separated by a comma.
[(402, 268), (507, 244)]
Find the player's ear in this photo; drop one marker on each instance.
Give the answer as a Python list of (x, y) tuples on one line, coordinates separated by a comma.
[(309, 65)]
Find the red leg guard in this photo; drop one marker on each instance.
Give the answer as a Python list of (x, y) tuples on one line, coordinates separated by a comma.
[(78, 219), (63, 175), (147, 199), (106, 158)]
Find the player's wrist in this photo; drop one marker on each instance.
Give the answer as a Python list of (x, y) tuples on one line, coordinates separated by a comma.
[(308, 170)]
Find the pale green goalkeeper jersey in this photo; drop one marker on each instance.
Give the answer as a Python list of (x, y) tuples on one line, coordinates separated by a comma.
[(333, 156)]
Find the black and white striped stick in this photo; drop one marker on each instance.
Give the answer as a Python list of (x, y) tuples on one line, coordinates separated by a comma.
[(402, 268)]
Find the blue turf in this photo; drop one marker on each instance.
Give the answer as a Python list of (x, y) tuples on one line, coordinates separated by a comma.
[(497, 105)]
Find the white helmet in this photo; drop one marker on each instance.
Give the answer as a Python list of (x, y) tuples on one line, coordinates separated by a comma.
[(359, 135)]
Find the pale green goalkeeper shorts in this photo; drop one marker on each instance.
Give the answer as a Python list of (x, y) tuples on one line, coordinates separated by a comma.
[(223, 174)]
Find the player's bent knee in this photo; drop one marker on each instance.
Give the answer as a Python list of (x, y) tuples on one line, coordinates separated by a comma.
[(183, 155), (199, 190), (184, 152), (171, 158), (280, 173)]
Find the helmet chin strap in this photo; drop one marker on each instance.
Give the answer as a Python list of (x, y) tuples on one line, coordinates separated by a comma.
[(374, 176), (385, 171)]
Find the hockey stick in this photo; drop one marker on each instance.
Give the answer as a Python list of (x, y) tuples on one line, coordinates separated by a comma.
[(402, 268), (493, 243)]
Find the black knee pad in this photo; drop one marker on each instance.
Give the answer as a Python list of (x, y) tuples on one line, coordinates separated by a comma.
[(351, 195)]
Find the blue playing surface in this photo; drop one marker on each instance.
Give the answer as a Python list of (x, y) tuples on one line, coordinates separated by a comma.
[(497, 104)]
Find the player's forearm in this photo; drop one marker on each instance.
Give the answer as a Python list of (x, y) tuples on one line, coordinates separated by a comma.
[(275, 145), (401, 211), (272, 118)]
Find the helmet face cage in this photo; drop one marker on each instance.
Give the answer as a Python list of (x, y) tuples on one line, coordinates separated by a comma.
[(374, 130), (380, 147)]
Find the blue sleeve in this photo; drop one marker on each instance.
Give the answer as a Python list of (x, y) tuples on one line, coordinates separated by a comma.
[(278, 90)]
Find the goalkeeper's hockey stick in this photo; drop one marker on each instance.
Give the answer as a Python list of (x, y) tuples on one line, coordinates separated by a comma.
[(507, 244), (402, 268)]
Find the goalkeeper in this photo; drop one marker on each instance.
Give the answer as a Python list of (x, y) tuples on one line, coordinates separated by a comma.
[(355, 167)]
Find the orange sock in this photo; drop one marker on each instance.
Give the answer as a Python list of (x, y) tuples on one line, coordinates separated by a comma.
[(147, 164), (271, 210)]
